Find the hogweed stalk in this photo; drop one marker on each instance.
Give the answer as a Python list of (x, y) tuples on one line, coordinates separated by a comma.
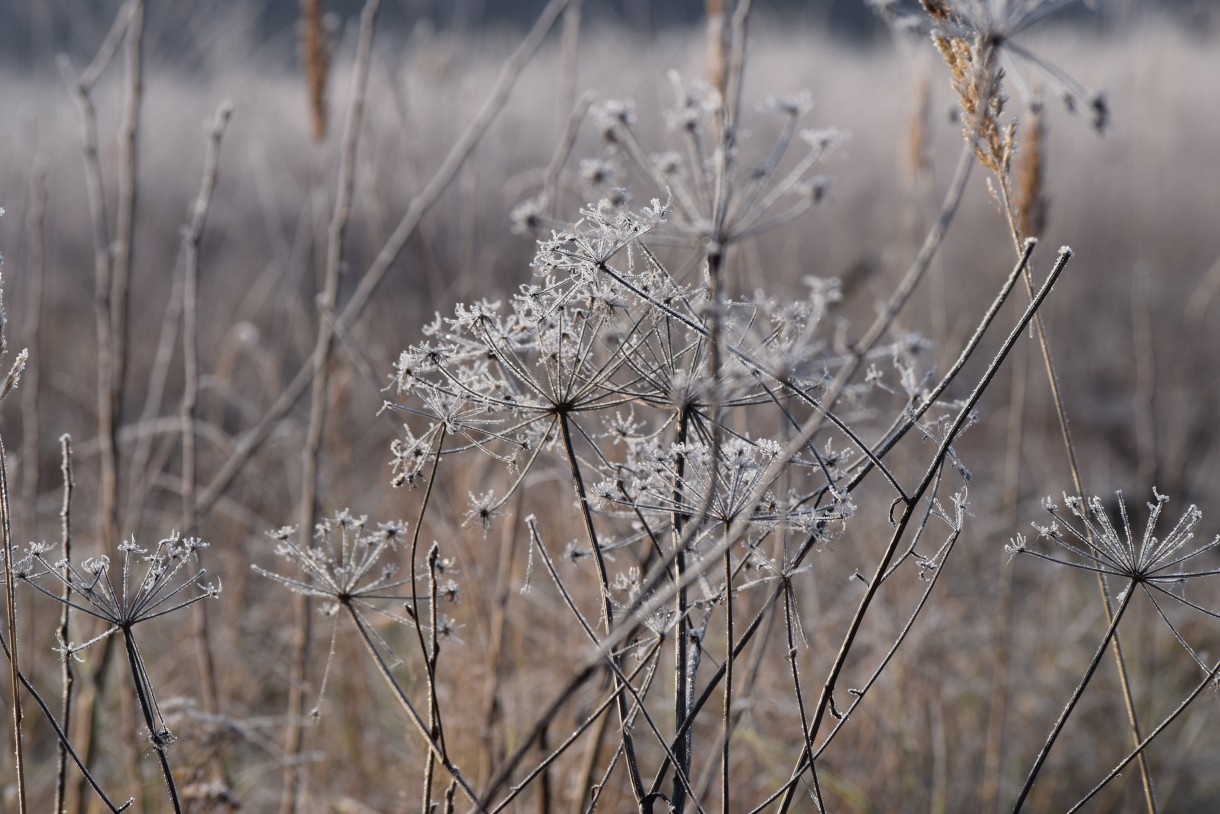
[(169, 584), (1161, 567), (347, 567)]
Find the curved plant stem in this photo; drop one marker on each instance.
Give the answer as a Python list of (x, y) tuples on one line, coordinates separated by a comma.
[(192, 238), (68, 677), (607, 608), (405, 702)]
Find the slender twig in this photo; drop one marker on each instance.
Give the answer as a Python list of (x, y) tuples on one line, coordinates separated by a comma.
[(67, 675), (6, 524), (122, 251), (496, 678), (728, 683), (192, 237), (430, 658), (682, 630)]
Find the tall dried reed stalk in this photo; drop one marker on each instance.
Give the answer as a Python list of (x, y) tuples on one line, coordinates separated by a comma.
[(977, 80), (315, 56), (1031, 199)]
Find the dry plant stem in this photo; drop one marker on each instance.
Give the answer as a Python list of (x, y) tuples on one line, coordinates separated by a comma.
[(313, 46), (909, 506), (192, 237), (717, 676), (622, 682), (502, 775), (728, 684), (123, 247), (319, 367), (389, 253), (1209, 680), (1120, 661), (682, 629), (109, 286), (6, 521), (737, 60), (30, 385), (67, 676), (607, 608), (860, 692), (567, 142), (139, 679), (421, 725), (569, 51), (717, 58), (492, 705), (1124, 602), (428, 649), (101, 292), (543, 805), (998, 708), (796, 686), (424, 649), (142, 467), (430, 657)]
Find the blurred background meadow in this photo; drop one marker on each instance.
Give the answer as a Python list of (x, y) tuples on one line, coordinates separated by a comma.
[(955, 720)]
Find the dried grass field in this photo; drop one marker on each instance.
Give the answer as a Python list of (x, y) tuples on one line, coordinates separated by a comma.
[(577, 418)]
